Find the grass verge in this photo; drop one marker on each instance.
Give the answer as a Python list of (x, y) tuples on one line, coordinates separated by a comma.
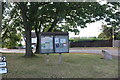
[(73, 66)]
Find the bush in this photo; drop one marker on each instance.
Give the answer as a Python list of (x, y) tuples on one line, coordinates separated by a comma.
[(19, 45), (84, 39)]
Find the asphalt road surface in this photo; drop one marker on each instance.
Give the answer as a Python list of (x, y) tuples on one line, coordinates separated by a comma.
[(72, 50), (112, 52)]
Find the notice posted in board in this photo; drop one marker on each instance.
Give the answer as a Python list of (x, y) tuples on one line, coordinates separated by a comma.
[(47, 43), (56, 40), (63, 41)]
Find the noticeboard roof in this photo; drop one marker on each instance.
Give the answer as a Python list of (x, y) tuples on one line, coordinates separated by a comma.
[(54, 33)]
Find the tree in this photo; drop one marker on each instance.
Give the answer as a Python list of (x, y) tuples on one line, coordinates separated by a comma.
[(10, 30), (117, 35), (50, 17), (0, 20), (1, 16), (107, 33), (10, 35), (21, 17), (27, 26), (113, 17), (70, 16)]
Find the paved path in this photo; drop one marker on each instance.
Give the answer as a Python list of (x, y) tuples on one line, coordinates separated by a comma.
[(112, 52), (72, 50), (12, 50)]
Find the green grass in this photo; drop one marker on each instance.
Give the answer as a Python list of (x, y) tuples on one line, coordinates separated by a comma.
[(73, 66)]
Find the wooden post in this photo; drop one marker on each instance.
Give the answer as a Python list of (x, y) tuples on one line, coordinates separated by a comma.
[(60, 58), (47, 58)]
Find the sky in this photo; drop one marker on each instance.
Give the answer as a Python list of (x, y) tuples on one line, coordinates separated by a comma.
[(92, 30)]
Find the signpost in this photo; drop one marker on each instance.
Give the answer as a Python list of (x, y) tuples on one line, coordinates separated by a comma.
[(3, 65), (3, 70), (54, 42)]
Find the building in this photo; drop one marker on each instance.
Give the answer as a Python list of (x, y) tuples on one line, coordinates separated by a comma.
[(33, 40)]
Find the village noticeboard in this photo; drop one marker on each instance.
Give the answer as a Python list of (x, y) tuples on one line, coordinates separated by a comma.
[(54, 42)]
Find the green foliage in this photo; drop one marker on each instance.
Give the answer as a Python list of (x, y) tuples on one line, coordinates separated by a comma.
[(11, 29), (114, 14), (19, 45), (10, 35), (117, 36), (84, 39), (107, 33), (56, 16), (101, 35), (51, 16), (10, 41)]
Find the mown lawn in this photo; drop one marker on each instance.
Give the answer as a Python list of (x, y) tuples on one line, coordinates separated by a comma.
[(73, 66)]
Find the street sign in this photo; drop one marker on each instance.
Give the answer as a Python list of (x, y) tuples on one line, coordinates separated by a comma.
[(3, 70), (54, 42), (3, 64), (2, 58)]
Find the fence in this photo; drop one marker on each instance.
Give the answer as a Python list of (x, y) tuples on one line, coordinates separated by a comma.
[(92, 43)]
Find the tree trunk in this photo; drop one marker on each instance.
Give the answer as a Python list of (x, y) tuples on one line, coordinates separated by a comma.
[(28, 28), (28, 42), (37, 44), (0, 13), (0, 21)]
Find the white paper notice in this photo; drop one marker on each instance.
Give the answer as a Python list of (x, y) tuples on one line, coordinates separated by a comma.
[(47, 43), (56, 40), (64, 44), (62, 40)]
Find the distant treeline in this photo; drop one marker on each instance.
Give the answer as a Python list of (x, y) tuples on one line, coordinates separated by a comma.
[(84, 39)]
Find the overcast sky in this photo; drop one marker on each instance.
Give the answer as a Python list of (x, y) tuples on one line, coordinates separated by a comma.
[(92, 30)]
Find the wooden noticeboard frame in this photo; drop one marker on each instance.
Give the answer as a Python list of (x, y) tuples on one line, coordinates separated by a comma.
[(52, 35)]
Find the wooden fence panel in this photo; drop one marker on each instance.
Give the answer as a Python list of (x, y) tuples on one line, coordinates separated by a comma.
[(92, 43)]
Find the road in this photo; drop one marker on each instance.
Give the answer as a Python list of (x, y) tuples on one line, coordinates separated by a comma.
[(112, 52), (72, 50)]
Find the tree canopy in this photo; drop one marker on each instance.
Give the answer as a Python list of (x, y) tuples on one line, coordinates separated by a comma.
[(109, 33), (58, 16)]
